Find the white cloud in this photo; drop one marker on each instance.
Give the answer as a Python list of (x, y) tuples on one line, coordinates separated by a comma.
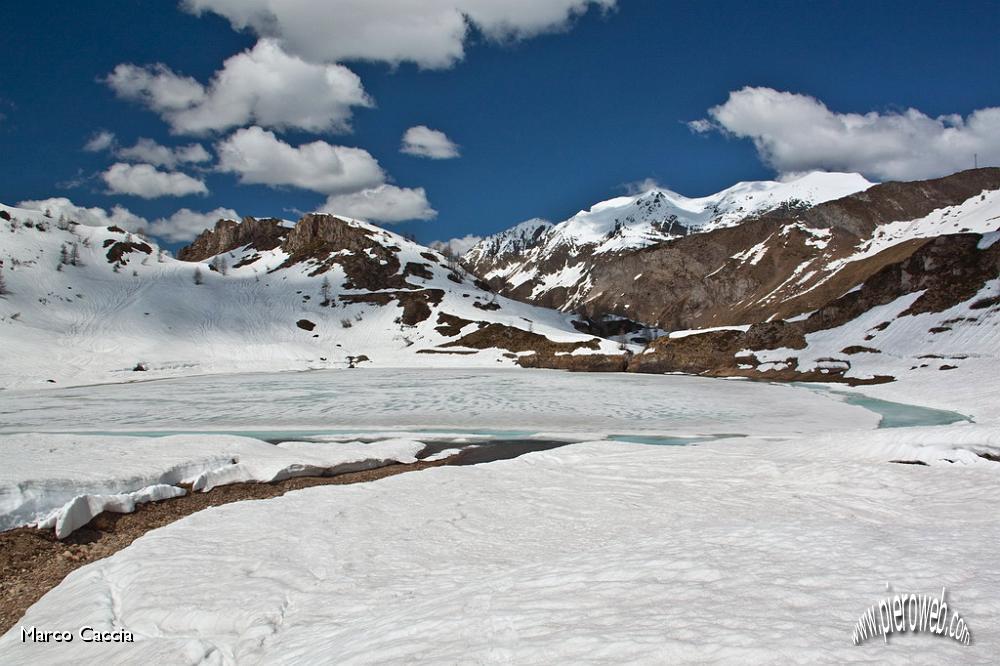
[(100, 141), (151, 152), (263, 85), (422, 141), (701, 126), (642, 186), (148, 151), (797, 133), (458, 246), (431, 33), (92, 217), (186, 224), (385, 203), (145, 180), (259, 157), (156, 86)]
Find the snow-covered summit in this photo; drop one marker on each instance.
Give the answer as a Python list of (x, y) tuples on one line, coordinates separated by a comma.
[(659, 214), (519, 238)]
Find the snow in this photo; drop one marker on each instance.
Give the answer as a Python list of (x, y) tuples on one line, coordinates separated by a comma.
[(81, 509), (753, 254), (63, 481), (978, 214), (697, 331), (517, 239), (966, 338), (90, 324), (750, 550), (637, 214), (989, 239)]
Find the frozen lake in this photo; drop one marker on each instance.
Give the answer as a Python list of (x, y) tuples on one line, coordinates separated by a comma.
[(503, 403)]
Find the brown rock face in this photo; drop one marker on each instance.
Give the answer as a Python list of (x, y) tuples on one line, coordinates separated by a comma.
[(119, 251), (514, 339), (228, 235), (369, 264)]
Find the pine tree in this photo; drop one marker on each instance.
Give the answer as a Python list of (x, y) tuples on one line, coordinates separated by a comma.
[(223, 266), (3, 283), (197, 276), (63, 256), (325, 291), (74, 255), (159, 256)]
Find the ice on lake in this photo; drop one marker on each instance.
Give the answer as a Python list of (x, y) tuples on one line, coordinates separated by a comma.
[(516, 403)]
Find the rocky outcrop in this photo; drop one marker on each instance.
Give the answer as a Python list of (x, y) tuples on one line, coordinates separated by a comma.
[(513, 339), (119, 251), (229, 235)]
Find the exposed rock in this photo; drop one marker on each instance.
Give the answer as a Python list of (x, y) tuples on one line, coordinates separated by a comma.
[(419, 270), (501, 336), (858, 349), (228, 235), (119, 249), (414, 303), (449, 325), (576, 362), (492, 305), (305, 324)]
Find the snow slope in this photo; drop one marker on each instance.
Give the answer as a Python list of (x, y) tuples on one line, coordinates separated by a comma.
[(97, 320), (946, 359), (758, 550)]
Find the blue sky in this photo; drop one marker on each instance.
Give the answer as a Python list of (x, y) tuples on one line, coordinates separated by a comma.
[(548, 120)]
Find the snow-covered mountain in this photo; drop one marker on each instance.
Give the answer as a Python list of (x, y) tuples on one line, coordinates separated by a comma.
[(535, 258), (92, 304), (890, 283)]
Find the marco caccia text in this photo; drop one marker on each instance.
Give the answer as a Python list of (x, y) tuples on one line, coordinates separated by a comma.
[(83, 634)]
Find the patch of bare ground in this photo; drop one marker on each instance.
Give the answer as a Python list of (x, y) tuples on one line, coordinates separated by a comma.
[(33, 561)]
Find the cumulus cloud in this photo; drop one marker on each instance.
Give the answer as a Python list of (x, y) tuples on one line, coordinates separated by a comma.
[(92, 217), (148, 182), (431, 33), (100, 141), (457, 246), (263, 85), (384, 203), (151, 152), (186, 224), (422, 141), (148, 151), (260, 157), (796, 133)]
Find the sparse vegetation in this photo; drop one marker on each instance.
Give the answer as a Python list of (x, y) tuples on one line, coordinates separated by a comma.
[(346, 323), (324, 291), (220, 266)]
